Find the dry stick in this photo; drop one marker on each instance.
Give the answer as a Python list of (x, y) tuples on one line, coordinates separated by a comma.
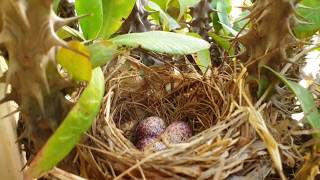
[(61, 174), (10, 114), (254, 13), (105, 152), (219, 172), (285, 69), (3, 77), (111, 169), (298, 56), (108, 121), (262, 56), (263, 97), (305, 132), (141, 172), (137, 165), (279, 169), (138, 64), (108, 106)]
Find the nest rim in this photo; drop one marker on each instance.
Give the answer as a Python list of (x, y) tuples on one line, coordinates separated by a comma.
[(185, 160)]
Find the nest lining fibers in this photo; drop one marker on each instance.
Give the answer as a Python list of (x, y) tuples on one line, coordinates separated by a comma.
[(224, 145)]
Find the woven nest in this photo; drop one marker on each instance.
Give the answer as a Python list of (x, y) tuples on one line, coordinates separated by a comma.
[(232, 137)]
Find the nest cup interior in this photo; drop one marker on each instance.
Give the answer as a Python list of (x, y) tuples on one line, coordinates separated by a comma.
[(170, 93), (209, 103)]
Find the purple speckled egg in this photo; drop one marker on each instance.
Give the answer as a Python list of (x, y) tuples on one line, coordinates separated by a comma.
[(150, 127), (150, 143), (177, 132)]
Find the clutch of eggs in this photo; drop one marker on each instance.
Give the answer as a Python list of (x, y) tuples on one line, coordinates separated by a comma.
[(152, 131)]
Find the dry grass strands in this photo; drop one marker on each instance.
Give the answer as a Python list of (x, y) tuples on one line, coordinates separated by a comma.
[(224, 145)]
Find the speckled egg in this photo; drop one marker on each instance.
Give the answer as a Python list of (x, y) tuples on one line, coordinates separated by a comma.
[(177, 132), (150, 127), (150, 143)]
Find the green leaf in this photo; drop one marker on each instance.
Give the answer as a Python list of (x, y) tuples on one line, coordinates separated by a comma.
[(261, 82), (241, 21), (75, 61), (223, 42), (185, 4), (102, 52), (55, 5), (203, 60), (223, 8), (91, 25), (228, 29), (162, 3), (173, 8), (167, 21), (310, 11), (163, 42), (68, 32), (70, 131), (305, 98), (215, 18), (114, 14)]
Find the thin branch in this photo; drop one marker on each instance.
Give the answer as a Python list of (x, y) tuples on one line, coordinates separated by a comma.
[(298, 56)]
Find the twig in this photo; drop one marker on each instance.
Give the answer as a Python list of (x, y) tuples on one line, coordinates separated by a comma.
[(298, 56), (61, 174)]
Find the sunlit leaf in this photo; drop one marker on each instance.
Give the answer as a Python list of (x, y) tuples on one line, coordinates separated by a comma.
[(203, 60), (68, 32), (162, 3), (72, 128), (173, 8), (102, 52), (167, 21), (310, 11), (228, 29), (90, 25), (163, 42), (223, 9), (241, 21), (114, 14), (305, 98), (185, 4), (215, 18), (75, 61)]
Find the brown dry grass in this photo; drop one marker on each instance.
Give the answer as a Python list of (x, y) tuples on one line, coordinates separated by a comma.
[(233, 137)]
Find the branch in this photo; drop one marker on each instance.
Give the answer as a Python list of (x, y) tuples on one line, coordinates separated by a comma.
[(298, 56)]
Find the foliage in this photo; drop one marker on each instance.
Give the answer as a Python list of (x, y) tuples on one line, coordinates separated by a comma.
[(309, 10), (163, 42), (102, 52), (223, 10), (306, 99), (167, 21), (91, 25), (114, 12), (203, 60), (75, 61), (256, 42), (70, 131), (185, 4)]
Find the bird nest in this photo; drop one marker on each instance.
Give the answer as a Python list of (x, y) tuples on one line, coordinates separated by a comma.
[(232, 137)]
